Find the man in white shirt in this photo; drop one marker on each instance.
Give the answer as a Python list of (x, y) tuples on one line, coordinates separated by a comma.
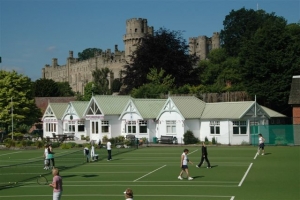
[(108, 147)]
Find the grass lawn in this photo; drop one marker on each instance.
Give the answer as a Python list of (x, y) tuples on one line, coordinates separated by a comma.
[(237, 173)]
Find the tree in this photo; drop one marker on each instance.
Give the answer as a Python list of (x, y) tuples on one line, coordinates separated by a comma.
[(101, 80), (159, 84), (16, 96), (88, 53), (165, 50), (65, 89), (45, 88), (240, 26)]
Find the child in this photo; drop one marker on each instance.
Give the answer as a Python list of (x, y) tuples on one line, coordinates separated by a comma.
[(86, 153)]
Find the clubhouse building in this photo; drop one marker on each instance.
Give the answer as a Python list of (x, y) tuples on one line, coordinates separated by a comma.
[(112, 116)]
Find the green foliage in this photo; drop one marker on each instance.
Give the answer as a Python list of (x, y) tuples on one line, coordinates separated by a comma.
[(22, 128), (65, 89), (100, 77), (189, 138), (39, 144), (116, 85), (16, 92), (88, 53), (104, 139), (45, 88), (165, 50), (213, 140), (206, 139), (65, 146), (9, 142)]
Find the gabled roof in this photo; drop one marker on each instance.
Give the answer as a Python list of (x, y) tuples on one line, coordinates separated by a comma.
[(149, 108), (294, 97), (80, 107), (58, 109), (111, 105), (226, 110), (189, 106), (272, 113)]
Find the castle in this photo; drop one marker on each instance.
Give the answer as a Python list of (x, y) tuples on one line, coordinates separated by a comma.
[(79, 73)]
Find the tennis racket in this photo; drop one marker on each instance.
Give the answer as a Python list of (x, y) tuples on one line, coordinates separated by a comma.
[(42, 180)]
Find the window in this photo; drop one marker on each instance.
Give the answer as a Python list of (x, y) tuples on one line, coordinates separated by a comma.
[(71, 126), (105, 126), (171, 126), (80, 126), (239, 127), (143, 126), (214, 127), (51, 127), (95, 127), (131, 127)]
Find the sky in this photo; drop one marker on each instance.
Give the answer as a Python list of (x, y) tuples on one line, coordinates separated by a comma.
[(33, 32)]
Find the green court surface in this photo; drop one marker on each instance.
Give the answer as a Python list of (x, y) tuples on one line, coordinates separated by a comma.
[(237, 173)]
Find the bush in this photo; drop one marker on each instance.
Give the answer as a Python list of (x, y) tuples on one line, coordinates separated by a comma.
[(105, 139), (206, 141), (55, 144), (189, 138), (9, 142), (65, 146), (213, 141), (39, 144)]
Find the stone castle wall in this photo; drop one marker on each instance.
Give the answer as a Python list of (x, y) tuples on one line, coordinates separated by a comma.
[(79, 73)]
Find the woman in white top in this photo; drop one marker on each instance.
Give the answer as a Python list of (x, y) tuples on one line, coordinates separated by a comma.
[(261, 141), (108, 147), (46, 160), (184, 165), (128, 194)]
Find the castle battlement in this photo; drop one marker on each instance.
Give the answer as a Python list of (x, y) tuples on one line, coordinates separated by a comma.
[(78, 73)]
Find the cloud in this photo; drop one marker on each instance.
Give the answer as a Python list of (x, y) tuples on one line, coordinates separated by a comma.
[(51, 48)]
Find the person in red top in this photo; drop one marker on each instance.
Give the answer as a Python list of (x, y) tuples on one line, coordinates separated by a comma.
[(56, 184)]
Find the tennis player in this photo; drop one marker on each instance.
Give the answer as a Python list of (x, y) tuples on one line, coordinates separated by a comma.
[(261, 141), (184, 165), (128, 194), (86, 153), (56, 184), (46, 160)]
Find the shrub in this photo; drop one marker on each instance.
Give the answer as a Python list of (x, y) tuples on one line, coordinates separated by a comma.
[(55, 144), (65, 146), (213, 141), (189, 138), (39, 144), (105, 139), (206, 141), (9, 142)]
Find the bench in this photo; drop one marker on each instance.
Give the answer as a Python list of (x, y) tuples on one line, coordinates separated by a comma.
[(164, 139)]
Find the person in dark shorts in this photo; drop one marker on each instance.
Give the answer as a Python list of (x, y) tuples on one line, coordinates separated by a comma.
[(261, 142), (184, 165), (204, 156)]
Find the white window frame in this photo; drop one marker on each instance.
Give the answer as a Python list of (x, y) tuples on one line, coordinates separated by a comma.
[(214, 127), (240, 126), (105, 126), (131, 124), (170, 126), (51, 127), (143, 124)]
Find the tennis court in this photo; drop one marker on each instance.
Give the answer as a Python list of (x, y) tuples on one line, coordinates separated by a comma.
[(237, 173)]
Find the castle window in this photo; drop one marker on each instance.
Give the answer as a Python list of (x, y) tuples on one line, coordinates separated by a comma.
[(135, 30)]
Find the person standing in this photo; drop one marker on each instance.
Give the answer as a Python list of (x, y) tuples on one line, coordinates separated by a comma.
[(56, 184), (51, 156), (261, 147), (204, 156), (46, 160), (108, 147), (128, 194), (86, 153), (92, 152), (184, 165)]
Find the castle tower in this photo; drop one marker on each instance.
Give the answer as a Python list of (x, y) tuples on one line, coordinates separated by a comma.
[(136, 29), (215, 40), (203, 47)]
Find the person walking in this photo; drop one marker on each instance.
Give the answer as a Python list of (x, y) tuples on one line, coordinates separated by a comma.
[(92, 152), (128, 194), (86, 153), (56, 184), (261, 147), (184, 165), (108, 147), (204, 156)]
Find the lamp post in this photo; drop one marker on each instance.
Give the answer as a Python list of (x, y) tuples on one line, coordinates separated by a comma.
[(12, 119)]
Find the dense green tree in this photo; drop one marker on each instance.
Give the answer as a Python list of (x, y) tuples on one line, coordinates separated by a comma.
[(116, 85), (88, 53), (165, 50), (240, 26), (45, 88), (159, 85), (16, 96), (270, 59), (88, 91), (100, 77), (65, 89)]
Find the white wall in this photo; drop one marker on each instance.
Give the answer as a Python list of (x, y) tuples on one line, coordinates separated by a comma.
[(170, 116)]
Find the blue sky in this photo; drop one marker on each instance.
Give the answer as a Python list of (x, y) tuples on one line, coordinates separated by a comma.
[(32, 32)]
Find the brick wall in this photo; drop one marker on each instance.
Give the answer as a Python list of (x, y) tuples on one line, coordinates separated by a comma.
[(296, 114)]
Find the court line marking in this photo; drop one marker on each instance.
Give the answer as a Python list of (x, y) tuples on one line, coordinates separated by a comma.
[(149, 173), (122, 185), (246, 173), (10, 153), (113, 195), (255, 156)]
